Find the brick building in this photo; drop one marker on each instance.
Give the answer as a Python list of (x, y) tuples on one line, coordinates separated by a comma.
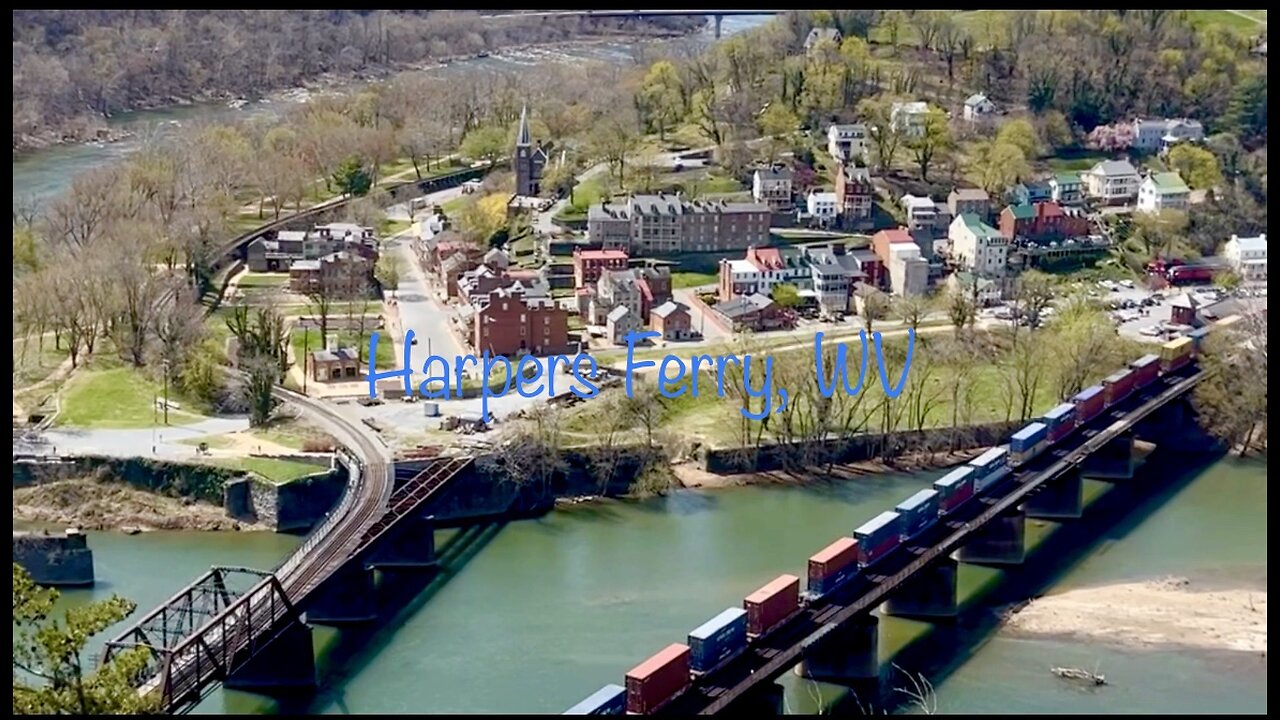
[(673, 320), (339, 275), (1041, 221), (588, 264), (511, 322), (854, 193)]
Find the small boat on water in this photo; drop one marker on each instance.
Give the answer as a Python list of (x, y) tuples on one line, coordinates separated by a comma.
[(237, 103)]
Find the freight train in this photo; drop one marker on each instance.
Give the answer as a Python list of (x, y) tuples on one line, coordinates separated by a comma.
[(660, 679)]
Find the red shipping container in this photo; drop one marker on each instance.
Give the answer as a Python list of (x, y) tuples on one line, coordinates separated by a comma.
[(1146, 370), (1087, 410), (771, 604), (1062, 431), (960, 496), (1118, 386), (658, 679), (832, 559)]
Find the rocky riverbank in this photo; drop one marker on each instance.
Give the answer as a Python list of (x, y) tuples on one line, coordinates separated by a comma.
[(96, 505), (691, 475), (1170, 612)]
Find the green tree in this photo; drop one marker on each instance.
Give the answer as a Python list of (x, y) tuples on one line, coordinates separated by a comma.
[(49, 674), (1196, 165), (777, 122), (1247, 111), (485, 143), (886, 140), (1228, 280), (935, 139), (1232, 398), (351, 178), (387, 272), (786, 295), (1021, 134), (1055, 130), (662, 97), (994, 166)]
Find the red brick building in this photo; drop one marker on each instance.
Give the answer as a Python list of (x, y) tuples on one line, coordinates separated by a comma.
[(511, 323), (881, 241), (588, 264), (1041, 221), (673, 320), (854, 193)]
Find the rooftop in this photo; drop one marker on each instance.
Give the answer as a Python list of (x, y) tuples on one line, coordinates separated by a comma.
[(1114, 167), (669, 307), (1169, 183), (977, 227), (343, 354), (1251, 244), (975, 99), (970, 194), (1067, 178)]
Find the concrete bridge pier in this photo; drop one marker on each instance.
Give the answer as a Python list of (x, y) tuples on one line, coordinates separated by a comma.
[(930, 593), (845, 653), (999, 542), (1113, 461), (287, 663), (409, 545), (716, 19), (1060, 498), (347, 596)]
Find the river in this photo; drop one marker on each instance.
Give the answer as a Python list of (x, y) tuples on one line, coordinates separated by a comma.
[(543, 612), (44, 173)]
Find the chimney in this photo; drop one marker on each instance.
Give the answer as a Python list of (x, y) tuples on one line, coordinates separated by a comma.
[(838, 248)]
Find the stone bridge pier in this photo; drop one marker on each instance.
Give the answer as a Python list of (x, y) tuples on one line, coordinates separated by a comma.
[(347, 596), (1113, 461), (930, 593), (845, 654), (1000, 542), (286, 664), (717, 19)]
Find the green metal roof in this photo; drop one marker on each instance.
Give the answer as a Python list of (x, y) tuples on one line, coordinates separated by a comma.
[(1067, 178), (1024, 211), (977, 227), (1169, 182)]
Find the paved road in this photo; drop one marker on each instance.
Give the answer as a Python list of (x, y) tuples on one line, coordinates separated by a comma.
[(711, 331), (131, 443)]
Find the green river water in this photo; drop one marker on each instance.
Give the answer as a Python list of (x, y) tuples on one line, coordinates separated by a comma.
[(538, 614)]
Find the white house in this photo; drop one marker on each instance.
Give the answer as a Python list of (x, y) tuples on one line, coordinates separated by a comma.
[(988, 292), (846, 143), (908, 117), (823, 206), (978, 247), (978, 107), (908, 271), (1163, 191), (1248, 256), (1111, 181), (772, 186), (1150, 135), (924, 214)]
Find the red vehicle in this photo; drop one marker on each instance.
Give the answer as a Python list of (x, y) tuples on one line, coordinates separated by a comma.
[(656, 680), (1146, 370), (1187, 274), (1089, 402), (1118, 385), (771, 604)]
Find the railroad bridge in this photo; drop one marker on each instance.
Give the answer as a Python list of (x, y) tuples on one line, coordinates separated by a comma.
[(250, 629), (836, 638)]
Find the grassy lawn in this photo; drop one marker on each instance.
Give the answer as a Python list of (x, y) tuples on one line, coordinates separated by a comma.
[(120, 397), (387, 228), (289, 433), (585, 194), (693, 279), (31, 363), (272, 469), (304, 342), (454, 206), (1076, 163), (1203, 19), (263, 280)]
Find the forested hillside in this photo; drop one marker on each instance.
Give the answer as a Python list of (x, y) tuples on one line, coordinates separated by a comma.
[(72, 68)]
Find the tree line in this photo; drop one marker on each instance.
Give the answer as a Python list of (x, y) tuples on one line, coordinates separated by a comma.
[(73, 68)]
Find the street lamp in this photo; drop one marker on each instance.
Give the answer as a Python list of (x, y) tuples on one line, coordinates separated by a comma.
[(306, 347)]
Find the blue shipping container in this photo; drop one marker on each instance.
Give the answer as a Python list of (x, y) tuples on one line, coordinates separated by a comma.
[(608, 700), (1028, 437), (918, 512), (989, 467), (877, 537), (821, 586), (717, 639), (1059, 415)]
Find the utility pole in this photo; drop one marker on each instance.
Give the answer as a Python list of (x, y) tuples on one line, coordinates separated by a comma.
[(166, 392)]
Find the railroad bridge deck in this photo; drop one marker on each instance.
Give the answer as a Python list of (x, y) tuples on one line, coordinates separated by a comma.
[(750, 676)]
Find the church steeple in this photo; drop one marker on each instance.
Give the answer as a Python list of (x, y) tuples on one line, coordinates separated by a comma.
[(523, 139)]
